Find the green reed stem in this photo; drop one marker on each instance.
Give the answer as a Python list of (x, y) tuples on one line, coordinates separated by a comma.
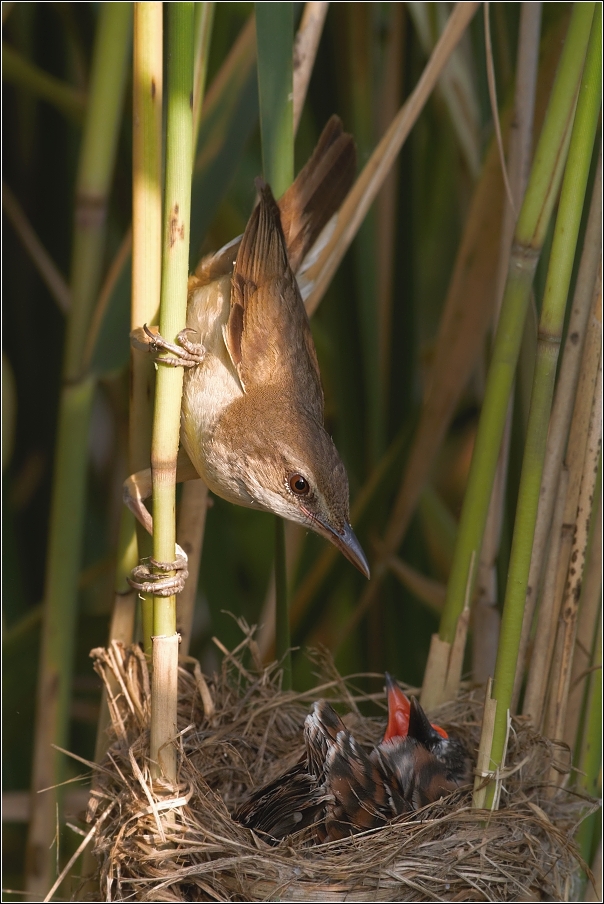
[(146, 246), (166, 421), (590, 755), (177, 207)]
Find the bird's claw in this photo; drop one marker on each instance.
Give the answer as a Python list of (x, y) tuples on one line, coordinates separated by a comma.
[(157, 583), (183, 354)]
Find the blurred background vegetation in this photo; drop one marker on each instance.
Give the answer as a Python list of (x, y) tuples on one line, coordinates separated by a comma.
[(374, 331)]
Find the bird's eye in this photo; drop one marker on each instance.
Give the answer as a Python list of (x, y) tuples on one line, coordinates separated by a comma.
[(299, 485)]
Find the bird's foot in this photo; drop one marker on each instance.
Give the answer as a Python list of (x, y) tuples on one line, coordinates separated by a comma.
[(183, 354), (160, 582)]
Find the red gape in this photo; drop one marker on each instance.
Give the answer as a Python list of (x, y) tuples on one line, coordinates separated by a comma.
[(399, 707)]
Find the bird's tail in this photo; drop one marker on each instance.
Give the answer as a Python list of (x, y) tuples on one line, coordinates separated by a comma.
[(317, 191)]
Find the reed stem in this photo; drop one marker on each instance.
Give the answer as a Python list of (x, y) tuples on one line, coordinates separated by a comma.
[(194, 500), (589, 761), (562, 413), (587, 631), (96, 163), (550, 335), (530, 232), (166, 421), (146, 246), (563, 523), (485, 614), (567, 621)]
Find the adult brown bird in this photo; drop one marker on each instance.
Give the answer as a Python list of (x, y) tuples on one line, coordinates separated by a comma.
[(252, 408), (340, 789)]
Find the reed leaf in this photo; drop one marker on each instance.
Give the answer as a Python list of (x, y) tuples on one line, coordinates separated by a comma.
[(16, 69), (204, 20), (305, 51), (230, 111), (275, 35), (456, 85)]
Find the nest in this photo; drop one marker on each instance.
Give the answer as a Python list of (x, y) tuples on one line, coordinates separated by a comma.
[(239, 730)]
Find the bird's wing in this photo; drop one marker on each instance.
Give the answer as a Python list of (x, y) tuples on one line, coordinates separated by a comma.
[(268, 335), (321, 729), (286, 805), (359, 798)]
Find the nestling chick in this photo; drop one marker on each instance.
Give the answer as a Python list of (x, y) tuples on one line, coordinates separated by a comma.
[(252, 408), (340, 789)]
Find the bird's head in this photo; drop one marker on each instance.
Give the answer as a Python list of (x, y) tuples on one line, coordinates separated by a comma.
[(287, 463), (450, 751)]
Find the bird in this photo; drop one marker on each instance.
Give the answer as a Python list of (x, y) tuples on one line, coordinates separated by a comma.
[(406, 718), (339, 789), (252, 414)]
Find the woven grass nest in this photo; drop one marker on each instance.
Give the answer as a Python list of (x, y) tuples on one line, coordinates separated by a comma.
[(239, 730)]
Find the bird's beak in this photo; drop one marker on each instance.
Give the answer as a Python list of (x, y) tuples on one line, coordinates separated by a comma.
[(347, 543), (398, 711), (420, 727)]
